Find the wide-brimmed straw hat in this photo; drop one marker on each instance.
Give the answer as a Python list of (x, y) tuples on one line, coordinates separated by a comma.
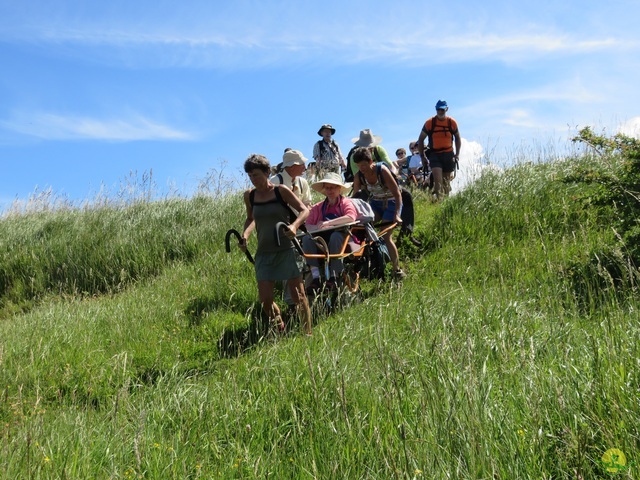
[(334, 179), (366, 139), (328, 127), (293, 157)]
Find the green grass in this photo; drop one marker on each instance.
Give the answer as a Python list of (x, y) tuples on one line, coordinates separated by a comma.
[(510, 352)]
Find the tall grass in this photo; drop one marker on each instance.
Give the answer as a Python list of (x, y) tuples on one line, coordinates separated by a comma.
[(491, 361)]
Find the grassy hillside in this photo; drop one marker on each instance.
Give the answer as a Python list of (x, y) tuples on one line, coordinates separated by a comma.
[(130, 344)]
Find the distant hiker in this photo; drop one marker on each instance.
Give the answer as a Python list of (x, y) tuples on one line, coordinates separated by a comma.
[(378, 152), (334, 210), (266, 205), (400, 164), (293, 166), (383, 195), (441, 131), (326, 152), (415, 165), (311, 173)]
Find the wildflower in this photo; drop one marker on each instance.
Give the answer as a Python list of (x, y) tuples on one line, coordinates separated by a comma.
[(521, 432)]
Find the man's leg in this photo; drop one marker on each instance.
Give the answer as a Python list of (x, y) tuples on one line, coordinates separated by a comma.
[(438, 187), (447, 177)]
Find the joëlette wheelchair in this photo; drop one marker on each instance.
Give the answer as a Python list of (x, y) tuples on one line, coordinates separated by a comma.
[(364, 253)]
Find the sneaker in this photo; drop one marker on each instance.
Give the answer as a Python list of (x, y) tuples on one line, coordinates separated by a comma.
[(314, 288), (399, 274)]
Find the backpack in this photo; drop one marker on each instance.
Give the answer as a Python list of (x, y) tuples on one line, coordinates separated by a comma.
[(348, 173), (364, 211), (295, 182), (429, 150)]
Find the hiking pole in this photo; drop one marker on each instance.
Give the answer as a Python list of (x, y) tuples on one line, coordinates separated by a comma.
[(294, 240), (239, 237)]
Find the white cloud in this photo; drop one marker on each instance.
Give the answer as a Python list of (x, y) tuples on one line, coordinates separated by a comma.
[(50, 126), (472, 163), (234, 46), (631, 128)]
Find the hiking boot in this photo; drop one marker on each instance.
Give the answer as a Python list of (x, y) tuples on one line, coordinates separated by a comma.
[(314, 288), (415, 241), (399, 274)]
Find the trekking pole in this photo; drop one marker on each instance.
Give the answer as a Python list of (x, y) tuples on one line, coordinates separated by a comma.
[(227, 244), (294, 240)]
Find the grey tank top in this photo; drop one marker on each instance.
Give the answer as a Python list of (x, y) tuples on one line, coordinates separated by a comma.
[(266, 215)]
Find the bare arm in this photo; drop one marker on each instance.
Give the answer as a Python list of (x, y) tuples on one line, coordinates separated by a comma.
[(303, 211), (249, 224)]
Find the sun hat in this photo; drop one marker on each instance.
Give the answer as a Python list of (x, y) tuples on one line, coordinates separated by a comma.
[(333, 178), (366, 139), (293, 157), (328, 127), (442, 104)]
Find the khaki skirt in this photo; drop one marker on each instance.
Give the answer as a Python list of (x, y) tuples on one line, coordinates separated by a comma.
[(275, 266)]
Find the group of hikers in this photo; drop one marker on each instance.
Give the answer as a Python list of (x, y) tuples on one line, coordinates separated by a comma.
[(366, 172)]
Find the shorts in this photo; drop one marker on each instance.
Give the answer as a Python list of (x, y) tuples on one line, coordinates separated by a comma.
[(385, 209), (280, 265), (443, 160)]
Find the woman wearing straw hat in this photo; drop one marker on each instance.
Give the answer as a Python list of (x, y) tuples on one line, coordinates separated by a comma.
[(334, 210)]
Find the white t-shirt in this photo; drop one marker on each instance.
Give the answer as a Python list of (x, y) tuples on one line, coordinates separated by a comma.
[(300, 187), (415, 162)]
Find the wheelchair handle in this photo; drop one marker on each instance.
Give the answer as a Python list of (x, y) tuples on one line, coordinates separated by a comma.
[(227, 243), (294, 240)]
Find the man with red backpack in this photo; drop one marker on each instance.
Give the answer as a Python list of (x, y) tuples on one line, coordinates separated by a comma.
[(442, 133)]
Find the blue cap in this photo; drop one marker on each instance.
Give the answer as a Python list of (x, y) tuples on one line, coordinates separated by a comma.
[(441, 104)]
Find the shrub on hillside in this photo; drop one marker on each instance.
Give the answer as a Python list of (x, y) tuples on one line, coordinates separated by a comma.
[(614, 175)]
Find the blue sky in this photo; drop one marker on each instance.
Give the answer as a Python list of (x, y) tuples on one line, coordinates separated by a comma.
[(91, 91)]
